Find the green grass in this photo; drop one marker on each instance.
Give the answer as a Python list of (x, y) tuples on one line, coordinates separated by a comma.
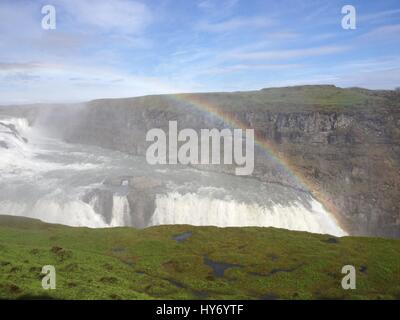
[(321, 98), (128, 263)]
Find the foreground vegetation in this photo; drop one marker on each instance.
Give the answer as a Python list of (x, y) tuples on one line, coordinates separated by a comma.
[(187, 262)]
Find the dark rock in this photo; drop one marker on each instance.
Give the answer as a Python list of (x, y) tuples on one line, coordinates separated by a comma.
[(363, 269)]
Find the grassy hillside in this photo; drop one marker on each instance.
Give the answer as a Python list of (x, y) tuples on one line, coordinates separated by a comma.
[(307, 98), (186, 262)]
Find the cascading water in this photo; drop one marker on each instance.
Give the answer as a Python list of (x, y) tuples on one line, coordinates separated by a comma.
[(120, 211), (14, 147), (49, 179), (190, 208), (25, 190)]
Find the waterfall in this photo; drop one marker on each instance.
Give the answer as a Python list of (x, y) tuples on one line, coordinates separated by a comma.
[(47, 179), (73, 213), (120, 211), (175, 208)]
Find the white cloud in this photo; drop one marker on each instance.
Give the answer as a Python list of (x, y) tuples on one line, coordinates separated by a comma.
[(382, 79), (282, 35), (12, 66), (345, 76), (286, 54), (123, 16), (388, 32), (247, 67), (73, 83), (370, 65), (213, 4), (235, 23), (378, 16)]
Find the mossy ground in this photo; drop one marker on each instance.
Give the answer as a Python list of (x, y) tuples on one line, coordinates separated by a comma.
[(128, 263), (308, 98)]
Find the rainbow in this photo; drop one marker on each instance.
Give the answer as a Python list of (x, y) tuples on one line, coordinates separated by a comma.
[(267, 146)]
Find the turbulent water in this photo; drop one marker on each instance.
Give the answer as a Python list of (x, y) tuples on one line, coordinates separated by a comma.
[(46, 178)]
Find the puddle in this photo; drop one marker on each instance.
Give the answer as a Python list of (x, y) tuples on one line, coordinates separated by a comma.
[(182, 237), (219, 267)]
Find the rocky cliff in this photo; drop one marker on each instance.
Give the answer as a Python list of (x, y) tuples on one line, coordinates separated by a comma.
[(344, 143)]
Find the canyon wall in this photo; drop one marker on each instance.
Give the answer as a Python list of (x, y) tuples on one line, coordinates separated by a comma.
[(344, 143)]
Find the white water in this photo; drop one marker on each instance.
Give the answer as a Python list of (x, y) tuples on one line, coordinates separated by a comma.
[(46, 178), (73, 213), (21, 172), (120, 211), (17, 153), (192, 209)]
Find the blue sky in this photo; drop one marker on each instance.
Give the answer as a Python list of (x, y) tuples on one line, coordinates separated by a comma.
[(123, 48)]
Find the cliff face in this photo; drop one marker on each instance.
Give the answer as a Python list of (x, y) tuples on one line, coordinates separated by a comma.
[(344, 142), (351, 157)]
